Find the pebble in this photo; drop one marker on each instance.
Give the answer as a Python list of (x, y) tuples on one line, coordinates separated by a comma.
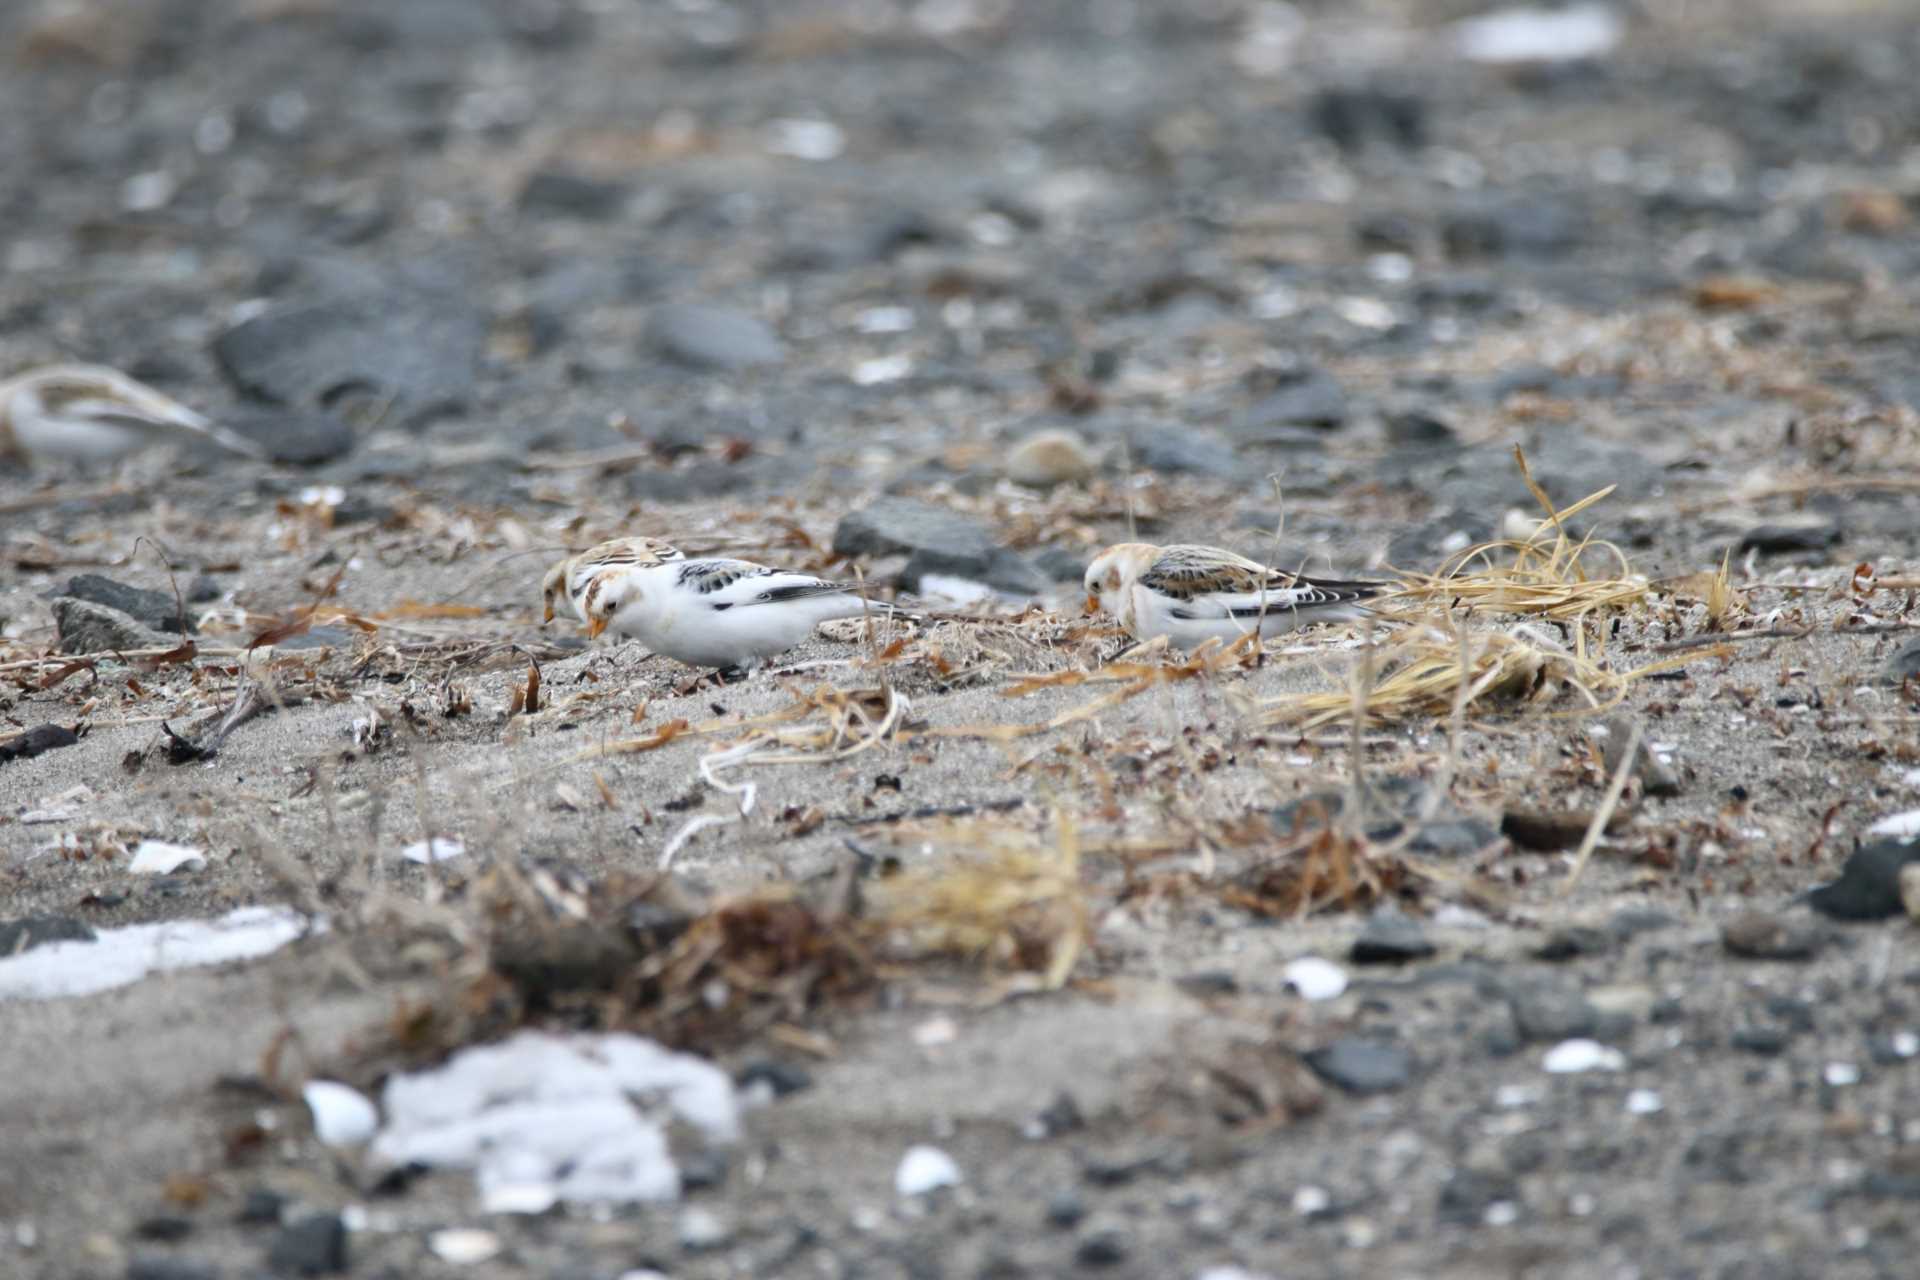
[(1306, 397), (936, 542), (1644, 1102), (1170, 450), (155, 609), (262, 1205), (1548, 1010), (1105, 1246), (701, 1229), (712, 337), (557, 194), (1758, 935), (782, 1079), (156, 1267), (1767, 1041), (293, 437), (463, 1246), (1904, 665), (1785, 539), (1571, 1057), (1390, 937), (1869, 887), (416, 352), (923, 1169), (36, 741), (1065, 1210), (1359, 1065), (1050, 457), (1657, 777), (1315, 979), (342, 1115), (313, 1246), (94, 628)]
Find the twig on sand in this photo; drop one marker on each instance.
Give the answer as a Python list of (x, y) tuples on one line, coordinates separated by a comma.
[(1784, 633), (1604, 813)]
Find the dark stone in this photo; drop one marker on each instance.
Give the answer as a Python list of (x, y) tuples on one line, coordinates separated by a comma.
[(1869, 883), (204, 589), (1768, 1042), (1106, 1247), (313, 1246), (160, 1267), (1573, 942), (936, 541), (1208, 982), (1359, 1065), (1786, 539), (37, 740), (1657, 778), (1392, 802), (1184, 452), (156, 609), (1388, 937), (552, 193), (703, 478), (1904, 665), (319, 638), (1065, 1210), (414, 352), (94, 628), (783, 1078), (1519, 227), (261, 1207), (1387, 233), (1060, 564), (709, 337), (1416, 428), (1306, 397), (165, 1228), (293, 437), (28, 932), (1062, 1115), (1628, 921), (1549, 1011), (1760, 936), (1350, 116), (702, 1170)]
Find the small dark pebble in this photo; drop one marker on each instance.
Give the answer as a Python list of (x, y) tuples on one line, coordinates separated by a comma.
[(261, 1206), (1766, 1041), (1062, 1115), (1551, 1012), (1904, 665), (157, 609), (165, 1228), (1105, 1247), (1869, 883), (1208, 982), (1065, 1209), (1629, 921), (1362, 1066), (313, 1246), (1776, 539), (40, 738), (782, 1077), (1575, 941), (702, 1170), (1388, 937)]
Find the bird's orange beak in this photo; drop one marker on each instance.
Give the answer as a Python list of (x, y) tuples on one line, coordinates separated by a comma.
[(595, 626), (1093, 607)]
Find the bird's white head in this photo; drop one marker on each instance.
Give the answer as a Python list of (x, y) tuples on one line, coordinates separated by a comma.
[(1113, 572)]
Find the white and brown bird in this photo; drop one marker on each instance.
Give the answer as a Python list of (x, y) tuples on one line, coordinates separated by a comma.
[(715, 612), (1191, 594), (577, 581), (90, 413)]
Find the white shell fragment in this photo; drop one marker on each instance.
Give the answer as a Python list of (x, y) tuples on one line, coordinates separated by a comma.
[(541, 1119), (342, 1115), (116, 957), (1645, 1102), (438, 849), (1571, 1057), (1539, 35), (158, 858), (463, 1246), (1315, 978), (925, 1169), (1901, 826)]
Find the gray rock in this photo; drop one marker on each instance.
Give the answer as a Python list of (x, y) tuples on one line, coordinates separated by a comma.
[(1060, 564), (292, 436), (1065, 1209), (1758, 935), (936, 541), (1392, 802), (1106, 1246), (1767, 1041), (313, 1246), (1869, 883), (155, 609), (710, 337), (1419, 429), (1789, 539), (1525, 226), (1657, 778), (86, 627), (415, 352), (1389, 937), (28, 932), (1182, 451), (1904, 665), (1306, 397), (1551, 1011), (161, 1267), (1359, 1065), (554, 193)]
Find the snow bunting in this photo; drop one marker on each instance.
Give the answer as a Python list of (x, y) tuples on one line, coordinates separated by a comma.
[(1190, 594), (90, 413), (714, 613), (577, 580)]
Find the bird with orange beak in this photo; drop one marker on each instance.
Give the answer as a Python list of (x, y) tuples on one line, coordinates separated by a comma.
[(1191, 594)]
